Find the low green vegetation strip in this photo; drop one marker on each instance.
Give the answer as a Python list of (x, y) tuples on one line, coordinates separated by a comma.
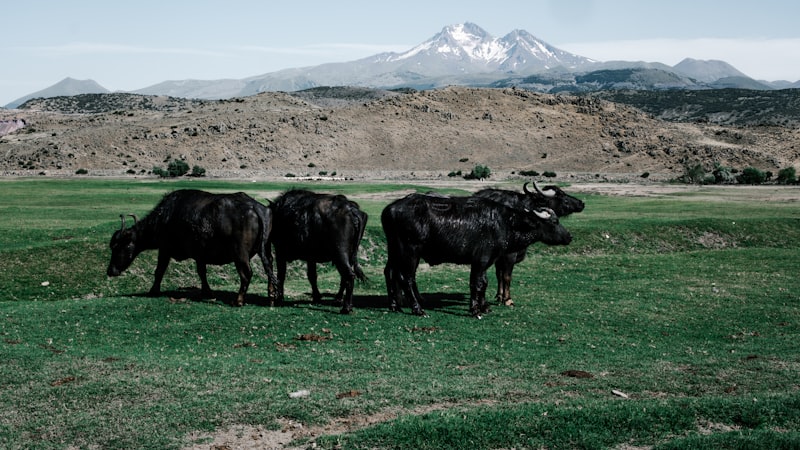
[(669, 322), (678, 423)]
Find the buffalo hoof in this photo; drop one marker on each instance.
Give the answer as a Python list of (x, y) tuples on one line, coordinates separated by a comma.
[(346, 310), (419, 312)]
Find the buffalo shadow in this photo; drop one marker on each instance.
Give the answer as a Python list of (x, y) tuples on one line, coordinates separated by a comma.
[(432, 301), (194, 294)]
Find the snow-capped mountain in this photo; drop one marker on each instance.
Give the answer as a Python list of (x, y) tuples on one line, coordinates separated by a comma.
[(462, 54), (459, 54), (465, 43), (469, 46)]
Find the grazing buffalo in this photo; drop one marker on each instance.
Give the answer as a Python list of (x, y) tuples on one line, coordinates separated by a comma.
[(461, 230), (209, 228), (319, 228), (550, 197)]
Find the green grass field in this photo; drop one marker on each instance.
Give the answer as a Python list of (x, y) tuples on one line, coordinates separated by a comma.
[(669, 322)]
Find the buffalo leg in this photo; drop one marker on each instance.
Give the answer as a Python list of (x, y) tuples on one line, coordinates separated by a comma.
[(347, 278), (408, 280), (205, 288), (500, 273), (403, 279), (507, 286), (416, 307), (266, 261), (392, 288), (339, 297), (311, 272), (245, 274), (161, 269), (348, 281), (504, 266), (418, 299), (477, 291), (280, 264)]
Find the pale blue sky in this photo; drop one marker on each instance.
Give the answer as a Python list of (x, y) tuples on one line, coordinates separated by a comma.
[(129, 45)]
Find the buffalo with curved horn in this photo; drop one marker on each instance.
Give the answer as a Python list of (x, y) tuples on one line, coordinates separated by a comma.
[(209, 228), (474, 231), (551, 197)]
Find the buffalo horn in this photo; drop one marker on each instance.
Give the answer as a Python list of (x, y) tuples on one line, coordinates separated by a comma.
[(542, 214), (548, 193), (122, 218), (525, 188), (535, 187)]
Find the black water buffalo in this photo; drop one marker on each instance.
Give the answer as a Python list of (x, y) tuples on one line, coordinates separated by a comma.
[(550, 197), (318, 228), (461, 230), (209, 228)]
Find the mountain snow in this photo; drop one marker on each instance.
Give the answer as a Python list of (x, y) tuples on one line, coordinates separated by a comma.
[(470, 42)]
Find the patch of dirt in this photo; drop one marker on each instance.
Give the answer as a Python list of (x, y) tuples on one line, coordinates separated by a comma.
[(396, 136), (248, 437), (706, 427), (715, 240)]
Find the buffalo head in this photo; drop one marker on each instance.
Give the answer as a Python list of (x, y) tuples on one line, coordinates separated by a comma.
[(559, 201), (551, 231), (123, 248)]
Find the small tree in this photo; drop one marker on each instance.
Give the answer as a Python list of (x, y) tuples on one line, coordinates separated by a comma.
[(751, 175), (787, 176), (723, 175), (198, 171), (177, 168), (479, 172), (694, 174)]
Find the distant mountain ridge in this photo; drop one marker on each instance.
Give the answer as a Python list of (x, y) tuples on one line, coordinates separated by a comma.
[(462, 54), (707, 71), (65, 87)]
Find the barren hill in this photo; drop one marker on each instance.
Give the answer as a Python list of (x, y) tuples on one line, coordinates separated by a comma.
[(377, 134)]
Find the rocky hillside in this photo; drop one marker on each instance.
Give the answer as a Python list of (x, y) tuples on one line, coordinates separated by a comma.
[(737, 107), (362, 133)]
